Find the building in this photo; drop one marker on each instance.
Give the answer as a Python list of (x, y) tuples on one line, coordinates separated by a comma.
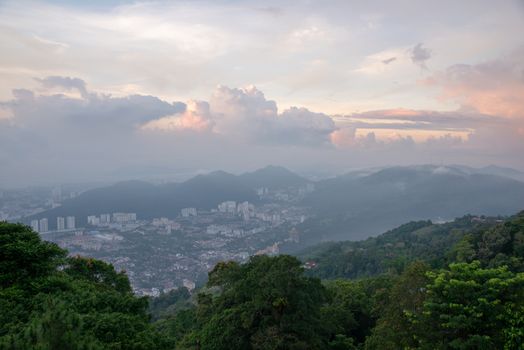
[(57, 194), (70, 222), (105, 218), (44, 225), (123, 218), (246, 209), (161, 222), (186, 212), (93, 220), (262, 191), (227, 207), (34, 225), (60, 223), (213, 229)]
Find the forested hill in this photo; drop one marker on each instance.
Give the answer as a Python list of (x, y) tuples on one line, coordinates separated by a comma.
[(468, 238), (469, 295)]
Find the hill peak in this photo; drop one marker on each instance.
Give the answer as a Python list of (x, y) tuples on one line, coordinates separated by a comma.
[(272, 176)]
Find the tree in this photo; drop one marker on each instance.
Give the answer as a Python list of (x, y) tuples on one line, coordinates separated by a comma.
[(347, 317), (394, 329), (48, 301), (470, 307), (24, 257), (266, 303)]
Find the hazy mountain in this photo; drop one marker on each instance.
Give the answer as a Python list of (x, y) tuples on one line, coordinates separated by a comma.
[(355, 207), (352, 206), (149, 201), (273, 177), (494, 170)]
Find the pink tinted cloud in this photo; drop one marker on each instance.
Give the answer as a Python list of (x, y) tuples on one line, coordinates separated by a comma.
[(196, 117), (343, 138), (495, 87)]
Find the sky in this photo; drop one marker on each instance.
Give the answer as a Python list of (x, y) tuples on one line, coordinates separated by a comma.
[(110, 90)]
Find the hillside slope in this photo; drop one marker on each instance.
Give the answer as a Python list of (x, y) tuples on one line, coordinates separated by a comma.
[(149, 201), (492, 241), (356, 207)]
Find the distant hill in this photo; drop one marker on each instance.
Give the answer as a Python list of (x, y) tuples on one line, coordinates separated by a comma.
[(494, 170), (149, 201), (358, 206), (491, 240), (352, 206), (272, 177)]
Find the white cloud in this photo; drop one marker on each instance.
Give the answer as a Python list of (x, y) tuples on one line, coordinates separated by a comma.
[(247, 116), (302, 52)]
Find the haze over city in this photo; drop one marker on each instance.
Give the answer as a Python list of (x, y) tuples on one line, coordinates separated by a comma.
[(112, 90)]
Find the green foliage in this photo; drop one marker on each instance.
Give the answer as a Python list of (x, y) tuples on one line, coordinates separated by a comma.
[(392, 251), (463, 240), (502, 244), (266, 303), (177, 328), (394, 329), (56, 328), (24, 257), (348, 314), (49, 301), (470, 307), (99, 273), (458, 285), (341, 342), (170, 303)]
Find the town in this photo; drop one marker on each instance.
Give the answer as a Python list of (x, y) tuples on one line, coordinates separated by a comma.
[(164, 253)]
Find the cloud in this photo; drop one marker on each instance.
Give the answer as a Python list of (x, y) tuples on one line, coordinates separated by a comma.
[(242, 112), (389, 60), (385, 61), (196, 117), (66, 83), (182, 50), (246, 115), (54, 108), (46, 134), (462, 136), (344, 137), (402, 118), (5, 113), (419, 55), (453, 129), (493, 87), (301, 126)]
